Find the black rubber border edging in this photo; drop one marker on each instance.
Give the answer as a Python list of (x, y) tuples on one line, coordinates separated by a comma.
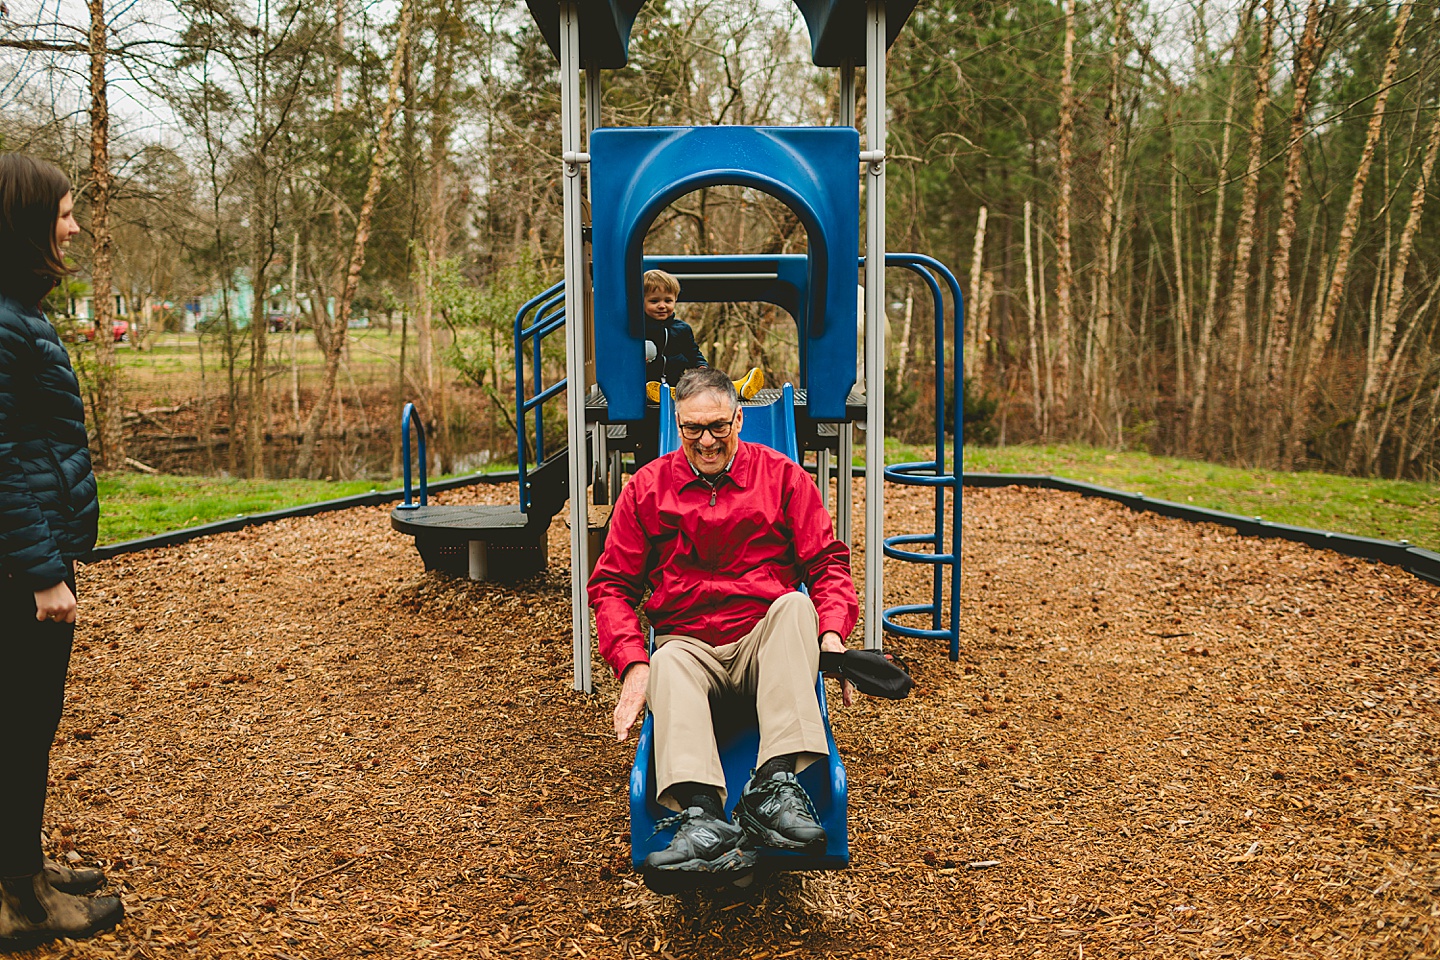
[(372, 499), (1424, 564)]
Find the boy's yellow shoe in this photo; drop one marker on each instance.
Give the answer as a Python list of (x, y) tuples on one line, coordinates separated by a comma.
[(750, 384), (747, 386)]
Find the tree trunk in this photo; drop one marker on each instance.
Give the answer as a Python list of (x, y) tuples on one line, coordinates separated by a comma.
[(1330, 307), (1306, 62), (414, 168), (292, 311), (1097, 368), (1382, 357), (257, 400), (108, 398), (335, 347), (1387, 399), (337, 104), (1209, 320), (905, 338), (1065, 272), (1037, 397), (1177, 247), (985, 305), (437, 236), (262, 249), (1237, 308), (976, 331), (1046, 349)]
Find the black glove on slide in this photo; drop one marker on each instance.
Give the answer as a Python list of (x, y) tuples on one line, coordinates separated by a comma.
[(871, 671)]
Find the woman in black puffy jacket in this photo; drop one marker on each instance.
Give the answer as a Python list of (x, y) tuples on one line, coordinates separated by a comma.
[(48, 514)]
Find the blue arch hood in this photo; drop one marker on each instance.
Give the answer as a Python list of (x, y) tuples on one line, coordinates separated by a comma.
[(638, 171)]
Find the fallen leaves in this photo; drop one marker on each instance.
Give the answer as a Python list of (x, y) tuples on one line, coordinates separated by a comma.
[(270, 772)]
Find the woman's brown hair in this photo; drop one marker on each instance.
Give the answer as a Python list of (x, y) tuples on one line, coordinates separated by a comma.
[(30, 258)]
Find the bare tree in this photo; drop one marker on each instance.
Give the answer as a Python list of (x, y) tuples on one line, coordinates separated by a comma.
[(1098, 369), (102, 182), (99, 192), (976, 331), (1383, 356), (1329, 308), (1245, 227), (1307, 59), (1209, 317), (334, 346), (1065, 277), (1038, 397)]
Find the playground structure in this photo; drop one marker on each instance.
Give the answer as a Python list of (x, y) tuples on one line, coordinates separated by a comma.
[(634, 173), (630, 176)]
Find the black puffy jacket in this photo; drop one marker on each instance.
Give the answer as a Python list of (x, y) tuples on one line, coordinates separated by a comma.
[(49, 509), (675, 350)]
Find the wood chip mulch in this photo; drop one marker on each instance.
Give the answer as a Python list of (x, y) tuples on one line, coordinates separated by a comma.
[(1161, 740)]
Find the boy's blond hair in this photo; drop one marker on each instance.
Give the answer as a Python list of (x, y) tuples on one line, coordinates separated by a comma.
[(660, 280)]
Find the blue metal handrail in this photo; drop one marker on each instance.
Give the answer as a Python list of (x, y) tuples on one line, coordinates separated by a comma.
[(933, 473), (547, 310), (407, 417)]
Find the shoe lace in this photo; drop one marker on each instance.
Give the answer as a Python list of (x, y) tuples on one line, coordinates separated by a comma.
[(678, 820)]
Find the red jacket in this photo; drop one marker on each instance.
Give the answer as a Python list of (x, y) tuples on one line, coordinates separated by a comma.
[(714, 566)]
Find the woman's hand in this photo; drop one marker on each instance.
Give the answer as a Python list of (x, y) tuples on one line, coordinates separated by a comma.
[(55, 603)]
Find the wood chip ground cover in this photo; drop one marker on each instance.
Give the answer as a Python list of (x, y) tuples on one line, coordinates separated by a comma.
[(1161, 740)]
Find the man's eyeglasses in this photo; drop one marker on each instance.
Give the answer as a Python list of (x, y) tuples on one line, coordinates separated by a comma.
[(720, 429)]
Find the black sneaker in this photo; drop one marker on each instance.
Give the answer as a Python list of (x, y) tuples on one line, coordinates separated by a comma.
[(705, 850), (777, 813)]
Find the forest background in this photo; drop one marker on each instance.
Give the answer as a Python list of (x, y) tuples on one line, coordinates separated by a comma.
[(1198, 229)]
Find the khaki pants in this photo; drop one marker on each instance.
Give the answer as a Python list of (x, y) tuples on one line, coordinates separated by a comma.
[(776, 663)]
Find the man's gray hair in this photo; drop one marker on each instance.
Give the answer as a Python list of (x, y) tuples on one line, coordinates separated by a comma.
[(698, 380)]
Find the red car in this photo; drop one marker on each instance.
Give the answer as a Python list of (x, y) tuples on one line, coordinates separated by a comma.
[(84, 330)]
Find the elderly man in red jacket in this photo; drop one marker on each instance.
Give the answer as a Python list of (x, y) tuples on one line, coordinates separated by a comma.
[(722, 533)]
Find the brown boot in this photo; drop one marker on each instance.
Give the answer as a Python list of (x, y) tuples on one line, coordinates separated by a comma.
[(70, 880), (32, 911)]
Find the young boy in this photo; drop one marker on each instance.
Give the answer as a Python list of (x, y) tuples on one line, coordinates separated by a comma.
[(670, 347)]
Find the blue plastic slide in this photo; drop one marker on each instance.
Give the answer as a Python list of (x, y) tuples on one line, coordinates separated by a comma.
[(773, 425)]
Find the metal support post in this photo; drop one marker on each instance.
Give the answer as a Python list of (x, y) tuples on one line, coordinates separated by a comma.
[(822, 477), (600, 465), (575, 338), (844, 495), (874, 322), (845, 458), (479, 560)]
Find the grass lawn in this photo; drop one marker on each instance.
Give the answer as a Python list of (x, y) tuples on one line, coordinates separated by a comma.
[(135, 505), (1388, 509)]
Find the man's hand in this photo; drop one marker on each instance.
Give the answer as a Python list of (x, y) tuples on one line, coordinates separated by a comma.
[(55, 603), (831, 642), (632, 699)]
